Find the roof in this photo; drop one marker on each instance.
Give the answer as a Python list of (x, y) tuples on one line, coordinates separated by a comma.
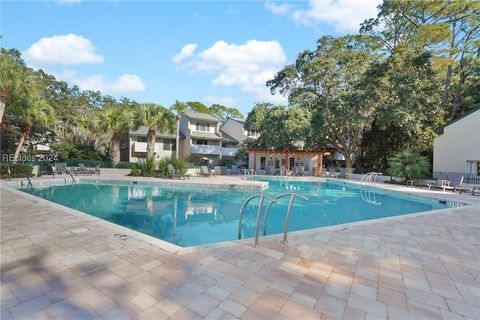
[(476, 107), (201, 116), (226, 137), (241, 121), (206, 135), (273, 151), (234, 128), (142, 131)]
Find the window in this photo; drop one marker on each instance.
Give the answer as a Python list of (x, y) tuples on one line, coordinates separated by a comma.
[(169, 144), (142, 139), (201, 126), (262, 163), (201, 142)]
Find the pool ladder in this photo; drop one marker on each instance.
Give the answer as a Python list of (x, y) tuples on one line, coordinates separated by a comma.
[(265, 218), (369, 178)]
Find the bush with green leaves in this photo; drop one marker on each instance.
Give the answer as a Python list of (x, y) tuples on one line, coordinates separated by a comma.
[(17, 170), (408, 165), (125, 165), (68, 151), (180, 165), (145, 168)]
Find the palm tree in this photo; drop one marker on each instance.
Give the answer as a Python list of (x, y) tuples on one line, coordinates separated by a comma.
[(16, 79), (29, 112), (113, 121), (154, 117), (408, 165), (180, 109)]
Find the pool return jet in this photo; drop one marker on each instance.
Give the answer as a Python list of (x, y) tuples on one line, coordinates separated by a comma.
[(265, 219)]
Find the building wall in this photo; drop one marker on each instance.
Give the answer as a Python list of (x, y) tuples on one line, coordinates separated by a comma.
[(135, 156), (458, 148)]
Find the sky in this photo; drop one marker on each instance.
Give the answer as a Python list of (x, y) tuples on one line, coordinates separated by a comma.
[(162, 51)]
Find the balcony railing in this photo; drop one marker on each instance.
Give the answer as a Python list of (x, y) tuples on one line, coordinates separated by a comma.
[(217, 150)]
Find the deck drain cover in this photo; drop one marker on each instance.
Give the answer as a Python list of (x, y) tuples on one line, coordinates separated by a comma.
[(121, 236), (79, 230), (345, 228)]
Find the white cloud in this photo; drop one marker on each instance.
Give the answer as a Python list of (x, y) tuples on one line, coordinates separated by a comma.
[(187, 51), (226, 101), (124, 85), (68, 49), (247, 66), (278, 9), (343, 15)]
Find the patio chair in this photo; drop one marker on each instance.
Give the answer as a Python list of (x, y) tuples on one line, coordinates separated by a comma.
[(268, 170), (172, 173), (234, 170), (331, 173), (459, 186), (216, 170), (343, 174), (300, 171), (204, 171)]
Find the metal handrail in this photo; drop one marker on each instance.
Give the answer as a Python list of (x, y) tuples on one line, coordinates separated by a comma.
[(29, 185), (369, 177), (289, 210), (259, 213), (73, 179)]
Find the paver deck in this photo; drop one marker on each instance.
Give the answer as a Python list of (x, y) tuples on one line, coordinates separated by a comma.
[(57, 264)]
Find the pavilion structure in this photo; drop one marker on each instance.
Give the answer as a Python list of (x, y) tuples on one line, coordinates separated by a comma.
[(275, 161)]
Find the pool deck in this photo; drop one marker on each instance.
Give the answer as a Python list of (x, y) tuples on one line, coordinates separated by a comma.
[(57, 263)]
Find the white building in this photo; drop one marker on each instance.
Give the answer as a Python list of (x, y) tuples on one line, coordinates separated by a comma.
[(456, 149), (137, 144)]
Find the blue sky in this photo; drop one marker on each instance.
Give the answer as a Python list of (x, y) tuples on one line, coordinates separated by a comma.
[(133, 49)]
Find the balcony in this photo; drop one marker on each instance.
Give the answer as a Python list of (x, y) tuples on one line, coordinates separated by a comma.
[(228, 151), (140, 147), (209, 149)]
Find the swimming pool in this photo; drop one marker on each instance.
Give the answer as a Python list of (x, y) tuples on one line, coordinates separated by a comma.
[(195, 216)]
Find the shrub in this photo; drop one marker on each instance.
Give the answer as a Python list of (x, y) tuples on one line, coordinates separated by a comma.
[(408, 165), (125, 165), (68, 151), (146, 168), (179, 164), (226, 161), (197, 159), (17, 170)]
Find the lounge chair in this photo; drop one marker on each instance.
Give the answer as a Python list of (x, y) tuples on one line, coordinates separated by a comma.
[(88, 170), (441, 184), (216, 171), (459, 186), (204, 171), (473, 190), (60, 168)]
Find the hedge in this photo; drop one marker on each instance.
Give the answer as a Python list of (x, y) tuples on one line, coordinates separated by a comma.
[(17, 170)]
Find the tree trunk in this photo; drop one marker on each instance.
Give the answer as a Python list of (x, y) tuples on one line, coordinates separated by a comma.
[(177, 140), (2, 108), (23, 134), (446, 90), (151, 142), (348, 162), (115, 153)]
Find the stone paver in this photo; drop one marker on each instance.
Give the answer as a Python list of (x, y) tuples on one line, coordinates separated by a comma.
[(58, 264)]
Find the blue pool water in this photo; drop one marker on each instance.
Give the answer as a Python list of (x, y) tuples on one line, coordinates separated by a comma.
[(189, 217)]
